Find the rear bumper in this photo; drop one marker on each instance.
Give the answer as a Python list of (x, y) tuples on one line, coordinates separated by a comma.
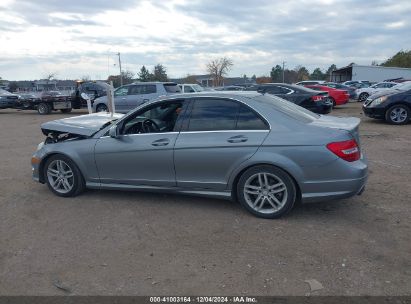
[(353, 183)]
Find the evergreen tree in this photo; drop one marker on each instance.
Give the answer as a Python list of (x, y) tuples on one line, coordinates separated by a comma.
[(276, 74), (144, 74)]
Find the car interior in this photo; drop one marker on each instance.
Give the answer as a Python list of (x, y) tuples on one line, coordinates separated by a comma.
[(157, 119)]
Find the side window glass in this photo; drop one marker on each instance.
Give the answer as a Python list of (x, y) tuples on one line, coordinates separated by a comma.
[(148, 89), (249, 120), (213, 115), (134, 90), (159, 118), (121, 91)]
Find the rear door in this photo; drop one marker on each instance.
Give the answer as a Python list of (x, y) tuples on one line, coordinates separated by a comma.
[(217, 137)]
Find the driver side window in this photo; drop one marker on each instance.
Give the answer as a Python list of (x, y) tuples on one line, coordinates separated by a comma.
[(158, 118)]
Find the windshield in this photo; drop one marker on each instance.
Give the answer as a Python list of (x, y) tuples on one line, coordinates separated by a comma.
[(289, 108), (198, 88), (403, 86)]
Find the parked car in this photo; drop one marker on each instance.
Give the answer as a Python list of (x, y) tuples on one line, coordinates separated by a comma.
[(259, 149), (356, 82), (393, 105), (398, 86), (190, 88), (7, 99), (337, 97), (359, 85), (350, 90), (363, 93), (25, 100), (230, 88), (315, 101), (310, 82), (128, 97)]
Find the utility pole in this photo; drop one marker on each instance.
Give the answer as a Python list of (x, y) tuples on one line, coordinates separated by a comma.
[(283, 70), (119, 64)]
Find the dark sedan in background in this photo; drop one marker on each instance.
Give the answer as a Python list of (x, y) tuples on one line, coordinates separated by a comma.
[(393, 105), (7, 99), (312, 100)]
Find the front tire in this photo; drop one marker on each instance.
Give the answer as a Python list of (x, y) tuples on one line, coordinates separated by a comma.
[(266, 191), (101, 108), (43, 108), (63, 177), (398, 115)]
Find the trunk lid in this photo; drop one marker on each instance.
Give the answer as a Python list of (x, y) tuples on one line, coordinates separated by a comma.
[(350, 124), (85, 125)]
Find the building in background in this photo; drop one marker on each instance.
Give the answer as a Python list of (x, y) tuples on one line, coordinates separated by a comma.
[(372, 73)]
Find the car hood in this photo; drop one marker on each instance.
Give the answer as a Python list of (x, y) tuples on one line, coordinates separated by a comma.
[(85, 125), (349, 124), (385, 92)]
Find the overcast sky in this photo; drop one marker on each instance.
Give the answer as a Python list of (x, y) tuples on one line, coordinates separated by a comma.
[(74, 38)]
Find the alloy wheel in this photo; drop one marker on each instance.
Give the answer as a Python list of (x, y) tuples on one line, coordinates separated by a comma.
[(399, 115), (60, 176), (265, 192)]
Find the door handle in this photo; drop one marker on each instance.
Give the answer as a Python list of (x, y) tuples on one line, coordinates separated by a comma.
[(161, 142), (237, 139), (146, 100), (123, 98)]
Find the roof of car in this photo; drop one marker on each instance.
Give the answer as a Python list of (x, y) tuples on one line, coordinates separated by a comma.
[(221, 94)]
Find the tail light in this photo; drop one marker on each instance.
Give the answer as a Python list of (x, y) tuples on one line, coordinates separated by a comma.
[(347, 150), (317, 97)]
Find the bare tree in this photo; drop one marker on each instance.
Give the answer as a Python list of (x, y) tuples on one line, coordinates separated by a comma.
[(218, 68)]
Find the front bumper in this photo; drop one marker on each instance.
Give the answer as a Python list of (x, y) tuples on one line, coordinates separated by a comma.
[(374, 112)]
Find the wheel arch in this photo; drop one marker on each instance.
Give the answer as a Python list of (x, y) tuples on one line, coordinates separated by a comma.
[(47, 157), (237, 176)]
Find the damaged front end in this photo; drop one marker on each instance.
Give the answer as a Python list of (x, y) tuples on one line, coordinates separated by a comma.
[(77, 127)]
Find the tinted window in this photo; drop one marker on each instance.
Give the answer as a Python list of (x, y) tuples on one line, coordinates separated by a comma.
[(288, 108), (248, 120), (213, 115), (172, 88), (148, 89), (133, 90)]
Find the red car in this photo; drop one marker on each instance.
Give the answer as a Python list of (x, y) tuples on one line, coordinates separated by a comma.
[(338, 97)]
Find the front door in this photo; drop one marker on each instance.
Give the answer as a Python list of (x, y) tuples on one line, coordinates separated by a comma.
[(143, 152)]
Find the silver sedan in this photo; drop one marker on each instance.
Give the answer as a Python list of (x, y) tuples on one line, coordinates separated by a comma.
[(260, 150)]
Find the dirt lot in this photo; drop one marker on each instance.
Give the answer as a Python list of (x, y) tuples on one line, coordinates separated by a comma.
[(129, 243)]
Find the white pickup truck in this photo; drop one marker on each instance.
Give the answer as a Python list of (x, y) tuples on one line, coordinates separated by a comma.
[(190, 88)]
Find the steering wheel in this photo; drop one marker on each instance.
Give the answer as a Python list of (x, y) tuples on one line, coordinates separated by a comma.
[(149, 126)]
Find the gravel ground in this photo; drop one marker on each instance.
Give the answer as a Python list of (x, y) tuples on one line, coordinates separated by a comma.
[(130, 243)]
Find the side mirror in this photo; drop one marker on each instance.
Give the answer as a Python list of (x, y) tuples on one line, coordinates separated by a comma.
[(85, 96), (113, 132)]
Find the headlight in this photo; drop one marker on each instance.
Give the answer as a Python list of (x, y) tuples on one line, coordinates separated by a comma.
[(378, 101)]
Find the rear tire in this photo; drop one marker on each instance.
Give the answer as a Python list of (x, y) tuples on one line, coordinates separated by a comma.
[(333, 101), (398, 114), (266, 191), (363, 97), (63, 177), (43, 108), (65, 110)]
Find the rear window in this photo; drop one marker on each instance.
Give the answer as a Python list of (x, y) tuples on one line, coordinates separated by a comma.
[(288, 108), (172, 88)]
